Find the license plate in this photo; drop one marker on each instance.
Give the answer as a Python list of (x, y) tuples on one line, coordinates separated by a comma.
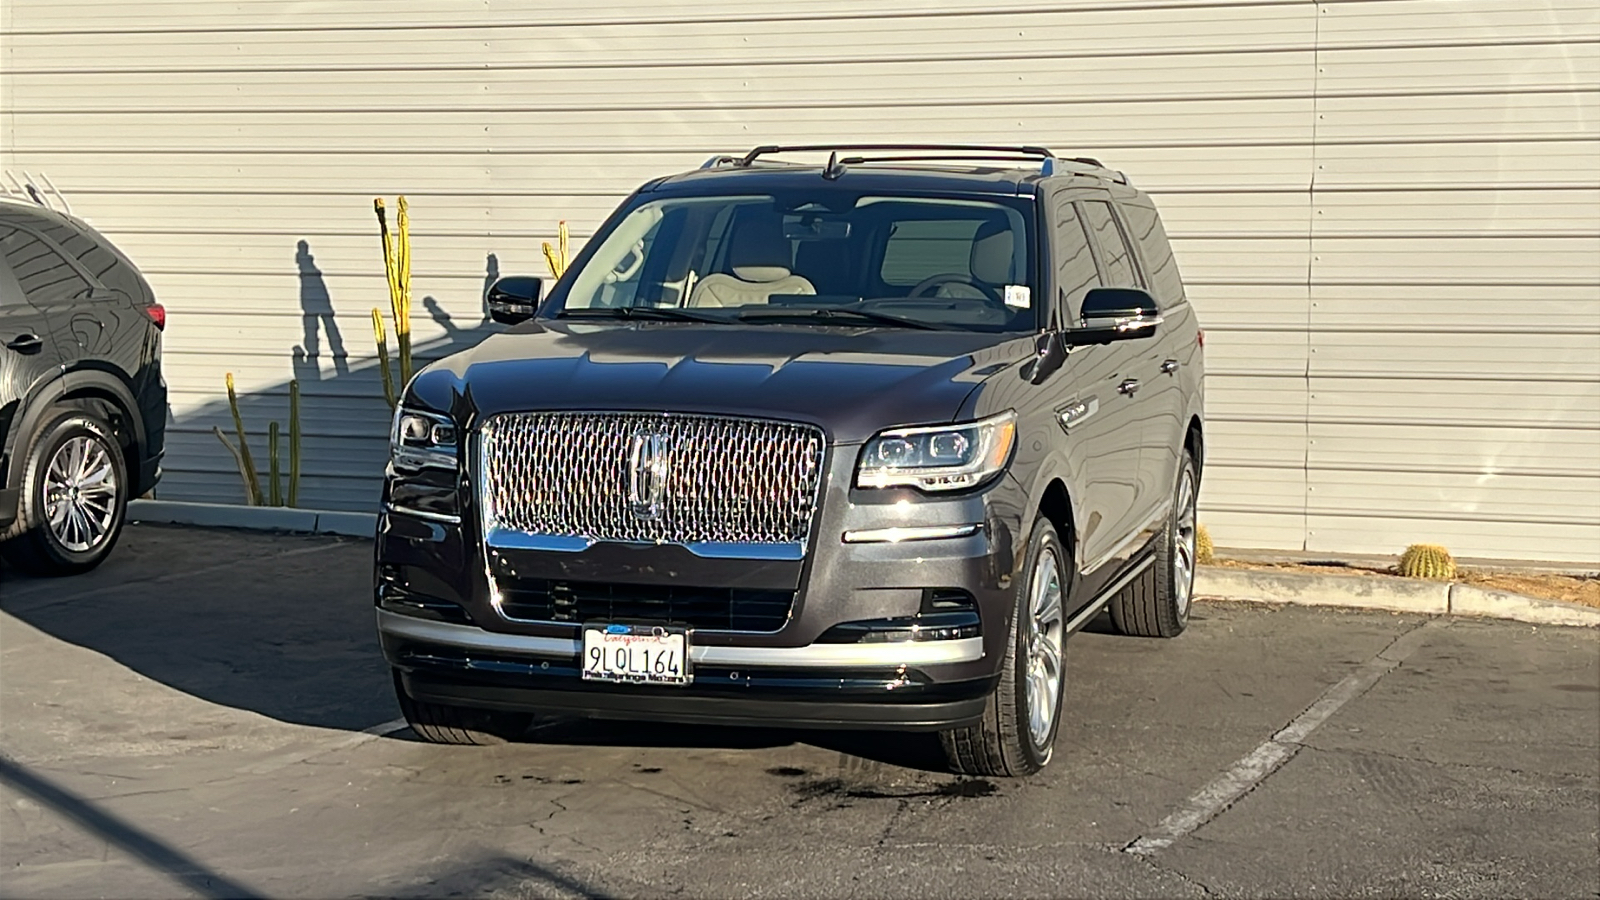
[(636, 654)]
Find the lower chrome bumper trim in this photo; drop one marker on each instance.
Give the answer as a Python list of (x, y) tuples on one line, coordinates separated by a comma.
[(843, 656), (916, 533)]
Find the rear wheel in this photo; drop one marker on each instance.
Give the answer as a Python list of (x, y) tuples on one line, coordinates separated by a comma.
[(1156, 604), (438, 723), (1017, 733), (74, 498)]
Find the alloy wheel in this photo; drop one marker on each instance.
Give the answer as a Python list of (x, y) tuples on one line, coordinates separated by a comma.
[(1183, 539), (80, 493), (1043, 683)]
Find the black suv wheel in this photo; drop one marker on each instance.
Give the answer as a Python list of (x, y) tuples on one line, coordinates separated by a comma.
[(1156, 604), (1018, 731), (74, 496), (437, 723)]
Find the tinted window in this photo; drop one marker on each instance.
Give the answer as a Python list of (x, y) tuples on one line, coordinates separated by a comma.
[(1114, 252), (1165, 282), (44, 275), (918, 249), (954, 263), (1075, 271)]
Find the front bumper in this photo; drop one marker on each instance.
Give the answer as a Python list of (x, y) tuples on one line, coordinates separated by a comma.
[(439, 590)]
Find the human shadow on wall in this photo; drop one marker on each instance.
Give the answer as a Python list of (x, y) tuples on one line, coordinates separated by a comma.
[(316, 310)]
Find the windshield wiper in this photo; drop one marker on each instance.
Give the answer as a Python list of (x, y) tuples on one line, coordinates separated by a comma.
[(658, 313), (832, 312)]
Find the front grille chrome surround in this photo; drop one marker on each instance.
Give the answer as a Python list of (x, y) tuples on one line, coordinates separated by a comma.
[(660, 478)]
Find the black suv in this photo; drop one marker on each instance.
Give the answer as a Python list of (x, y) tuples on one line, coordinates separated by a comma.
[(855, 445), (83, 406)]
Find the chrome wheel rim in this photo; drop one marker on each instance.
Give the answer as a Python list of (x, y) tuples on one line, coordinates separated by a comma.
[(80, 494), (1184, 537), (1045, 622)]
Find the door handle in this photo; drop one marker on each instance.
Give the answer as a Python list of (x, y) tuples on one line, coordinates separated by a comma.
[(1128, 387), (25, 343), (1169, 367)]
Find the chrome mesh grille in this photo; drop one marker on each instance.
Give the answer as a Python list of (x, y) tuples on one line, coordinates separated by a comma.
[(725, 479)]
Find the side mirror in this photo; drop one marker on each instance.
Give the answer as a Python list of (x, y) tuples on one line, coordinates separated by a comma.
[(515, 298), (1115, 314)]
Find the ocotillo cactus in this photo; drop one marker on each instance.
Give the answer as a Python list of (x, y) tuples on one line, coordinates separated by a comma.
[(557, 258), (1429, 561), (397, 269), (242, 458), (294, 442), (241, 453)]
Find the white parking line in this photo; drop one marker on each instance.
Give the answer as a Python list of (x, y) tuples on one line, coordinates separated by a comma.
[(1254, 767)]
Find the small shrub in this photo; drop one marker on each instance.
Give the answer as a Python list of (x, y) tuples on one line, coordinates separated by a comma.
[(1428, 561), (1205, 553)]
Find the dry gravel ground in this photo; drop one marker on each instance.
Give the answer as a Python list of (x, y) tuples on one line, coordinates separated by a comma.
[(1580, 589), (205, 716)]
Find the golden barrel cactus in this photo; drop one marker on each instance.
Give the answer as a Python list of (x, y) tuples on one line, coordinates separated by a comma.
[(1204, 552), (1428, 561)]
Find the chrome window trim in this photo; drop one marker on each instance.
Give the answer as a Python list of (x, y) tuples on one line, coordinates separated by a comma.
[(889, 655)]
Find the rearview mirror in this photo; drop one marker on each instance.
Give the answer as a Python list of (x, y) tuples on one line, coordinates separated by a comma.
[(515, 298), (1115, 314)]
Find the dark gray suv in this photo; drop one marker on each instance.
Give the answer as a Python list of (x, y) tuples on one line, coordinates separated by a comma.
[(854, 445)]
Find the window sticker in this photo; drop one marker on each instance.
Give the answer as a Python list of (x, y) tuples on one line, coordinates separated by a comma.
[(1018, 296)]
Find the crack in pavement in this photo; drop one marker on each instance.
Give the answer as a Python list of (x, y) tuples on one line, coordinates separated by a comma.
[(1251, 770), (1488, 767)]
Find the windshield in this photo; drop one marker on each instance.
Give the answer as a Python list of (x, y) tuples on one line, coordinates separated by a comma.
[(827, 258)]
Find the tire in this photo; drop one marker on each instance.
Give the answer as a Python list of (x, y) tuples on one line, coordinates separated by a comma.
[(1156, 604), (437, 723), (1011, 740), (74, 497)]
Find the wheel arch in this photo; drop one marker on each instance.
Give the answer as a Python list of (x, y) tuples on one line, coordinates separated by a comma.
[(1194, 441), (88, 389)]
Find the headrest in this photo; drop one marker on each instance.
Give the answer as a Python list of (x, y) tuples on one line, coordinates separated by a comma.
[(758, 250), (992, 253)]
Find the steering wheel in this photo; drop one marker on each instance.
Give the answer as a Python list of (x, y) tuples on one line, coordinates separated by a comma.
[(990, 295)]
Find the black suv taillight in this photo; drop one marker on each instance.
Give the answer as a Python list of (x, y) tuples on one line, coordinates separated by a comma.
[(158, 315)]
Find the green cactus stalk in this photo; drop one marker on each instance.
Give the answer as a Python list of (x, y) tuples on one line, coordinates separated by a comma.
[(238, 460), (247, 466), (383, 357), (274, 473), (294, 442), (1428, 561)]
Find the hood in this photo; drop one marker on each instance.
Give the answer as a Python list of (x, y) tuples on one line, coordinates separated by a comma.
[(852, 382)]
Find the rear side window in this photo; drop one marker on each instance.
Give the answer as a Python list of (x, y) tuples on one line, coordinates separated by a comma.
[(95, 258), (1165, 282), (1075, 271), (45, 276), (1115, 255)]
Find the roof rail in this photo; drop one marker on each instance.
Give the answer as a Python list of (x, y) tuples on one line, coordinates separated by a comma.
[(1086, 165), (27, 189), (950, 151)]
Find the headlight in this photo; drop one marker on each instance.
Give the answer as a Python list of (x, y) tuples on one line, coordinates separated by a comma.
[(939, 458), (422, 439)]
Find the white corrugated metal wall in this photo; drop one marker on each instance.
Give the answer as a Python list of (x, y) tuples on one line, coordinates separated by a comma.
[(1387, 211)]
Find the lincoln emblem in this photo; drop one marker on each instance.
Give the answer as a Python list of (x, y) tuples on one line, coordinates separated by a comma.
[(647, 474)]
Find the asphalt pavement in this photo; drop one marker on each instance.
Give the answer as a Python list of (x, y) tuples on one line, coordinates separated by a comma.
[(208, 715)]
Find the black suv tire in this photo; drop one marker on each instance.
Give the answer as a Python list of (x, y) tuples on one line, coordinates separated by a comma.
[(38, 549), (1002, 744), (1156, 604), (438, 723)]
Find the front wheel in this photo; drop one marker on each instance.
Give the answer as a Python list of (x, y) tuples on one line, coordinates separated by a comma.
[(438, 723), (1156, 604), (74, 498), (1017, 733)]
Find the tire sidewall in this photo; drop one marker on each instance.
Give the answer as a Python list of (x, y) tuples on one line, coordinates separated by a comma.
[(63, 428), (1044, 535), (1175, 541)]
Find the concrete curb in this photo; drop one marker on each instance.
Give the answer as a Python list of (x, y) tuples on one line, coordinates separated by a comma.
[(1385, 592), (258, 518)]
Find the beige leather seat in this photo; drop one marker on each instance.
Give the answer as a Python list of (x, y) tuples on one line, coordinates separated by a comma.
[(760, 257)]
